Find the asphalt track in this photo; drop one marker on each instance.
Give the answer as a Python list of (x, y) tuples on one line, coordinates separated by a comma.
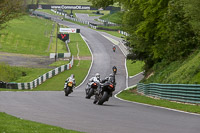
[(91, 19), (77, 113)]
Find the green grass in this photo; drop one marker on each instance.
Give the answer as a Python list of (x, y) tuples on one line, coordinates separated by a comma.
[(111, 27), (185, 71), (59, 63), (11, 124), (57, 83), (61, 47), (129, 95), (83, 49), (114, 33), (28, 35), (134, 68), (115, 17), (48, 11), (19, 74)]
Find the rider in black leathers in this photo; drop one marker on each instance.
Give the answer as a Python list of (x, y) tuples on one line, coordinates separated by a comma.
[(103, 82)]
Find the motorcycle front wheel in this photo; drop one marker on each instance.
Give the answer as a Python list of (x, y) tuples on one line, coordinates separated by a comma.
[(103, 98), (67, 91)]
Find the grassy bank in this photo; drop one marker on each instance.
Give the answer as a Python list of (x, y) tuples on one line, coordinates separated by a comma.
[(11, 124), (132, 96), (134, 67), (30, 35), (115, 17), (19, 74), (27, 35), (185, 71)]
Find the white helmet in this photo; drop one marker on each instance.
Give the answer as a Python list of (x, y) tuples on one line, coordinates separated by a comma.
[(97, 75)]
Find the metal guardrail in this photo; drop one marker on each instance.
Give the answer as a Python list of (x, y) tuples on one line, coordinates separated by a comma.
[(188, 93), (41, 79)]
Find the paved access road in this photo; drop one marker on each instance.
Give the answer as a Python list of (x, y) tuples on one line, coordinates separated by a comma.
[(86, 17), (77, 113)]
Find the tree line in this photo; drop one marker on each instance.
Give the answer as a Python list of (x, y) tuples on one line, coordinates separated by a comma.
[(160, 30)]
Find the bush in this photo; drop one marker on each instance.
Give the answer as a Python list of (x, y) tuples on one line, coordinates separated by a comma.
[(8, 73)]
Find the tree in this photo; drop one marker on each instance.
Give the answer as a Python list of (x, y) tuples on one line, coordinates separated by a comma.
[(10, 9), (192, 10), (101, 3), (161, 31)]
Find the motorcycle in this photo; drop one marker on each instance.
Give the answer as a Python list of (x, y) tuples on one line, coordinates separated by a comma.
[(68, 88), (115, 70), (105, 93), (90, 91), (114, 48)]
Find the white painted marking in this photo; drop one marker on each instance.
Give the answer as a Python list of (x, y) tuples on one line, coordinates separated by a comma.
[(91, 62), (136, 74)]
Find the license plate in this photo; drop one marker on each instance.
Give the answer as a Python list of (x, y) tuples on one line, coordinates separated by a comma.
[(70, 84)]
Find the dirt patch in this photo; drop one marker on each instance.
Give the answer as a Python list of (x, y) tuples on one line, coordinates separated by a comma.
[(83, 58), (24, 60), (33, 61)]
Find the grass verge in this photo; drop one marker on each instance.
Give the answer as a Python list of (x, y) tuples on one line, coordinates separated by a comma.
[(134, 67), (11, 124), (83, 49), (131, 95), (115, 17), (57, 83)]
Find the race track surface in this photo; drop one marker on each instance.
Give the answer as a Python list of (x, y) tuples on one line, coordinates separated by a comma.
[(77, 113)]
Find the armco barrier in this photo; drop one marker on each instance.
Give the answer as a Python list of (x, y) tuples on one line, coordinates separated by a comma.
[(123, 33), (41, 79), (188, 93)]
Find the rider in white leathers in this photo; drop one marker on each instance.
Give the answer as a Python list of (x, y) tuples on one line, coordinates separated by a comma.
[(96, 78)]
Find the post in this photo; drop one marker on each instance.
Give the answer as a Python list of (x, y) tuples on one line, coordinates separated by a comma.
[(56, 42)]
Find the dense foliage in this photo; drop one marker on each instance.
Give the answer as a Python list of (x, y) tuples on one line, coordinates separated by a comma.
[(161, 30), (10, 9)]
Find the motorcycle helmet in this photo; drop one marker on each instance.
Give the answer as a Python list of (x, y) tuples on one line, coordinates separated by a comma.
[(72, 76), (111, 75), (97, 75)]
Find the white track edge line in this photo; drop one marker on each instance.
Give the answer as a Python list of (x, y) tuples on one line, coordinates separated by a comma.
[(91, 62)]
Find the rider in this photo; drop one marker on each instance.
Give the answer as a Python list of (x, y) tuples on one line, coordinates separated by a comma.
[(71, 79), (96, 78), (114, 69), (114, 48), (111, 79)]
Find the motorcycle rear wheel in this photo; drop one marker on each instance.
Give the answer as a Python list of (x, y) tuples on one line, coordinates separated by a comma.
[(90, 93)]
